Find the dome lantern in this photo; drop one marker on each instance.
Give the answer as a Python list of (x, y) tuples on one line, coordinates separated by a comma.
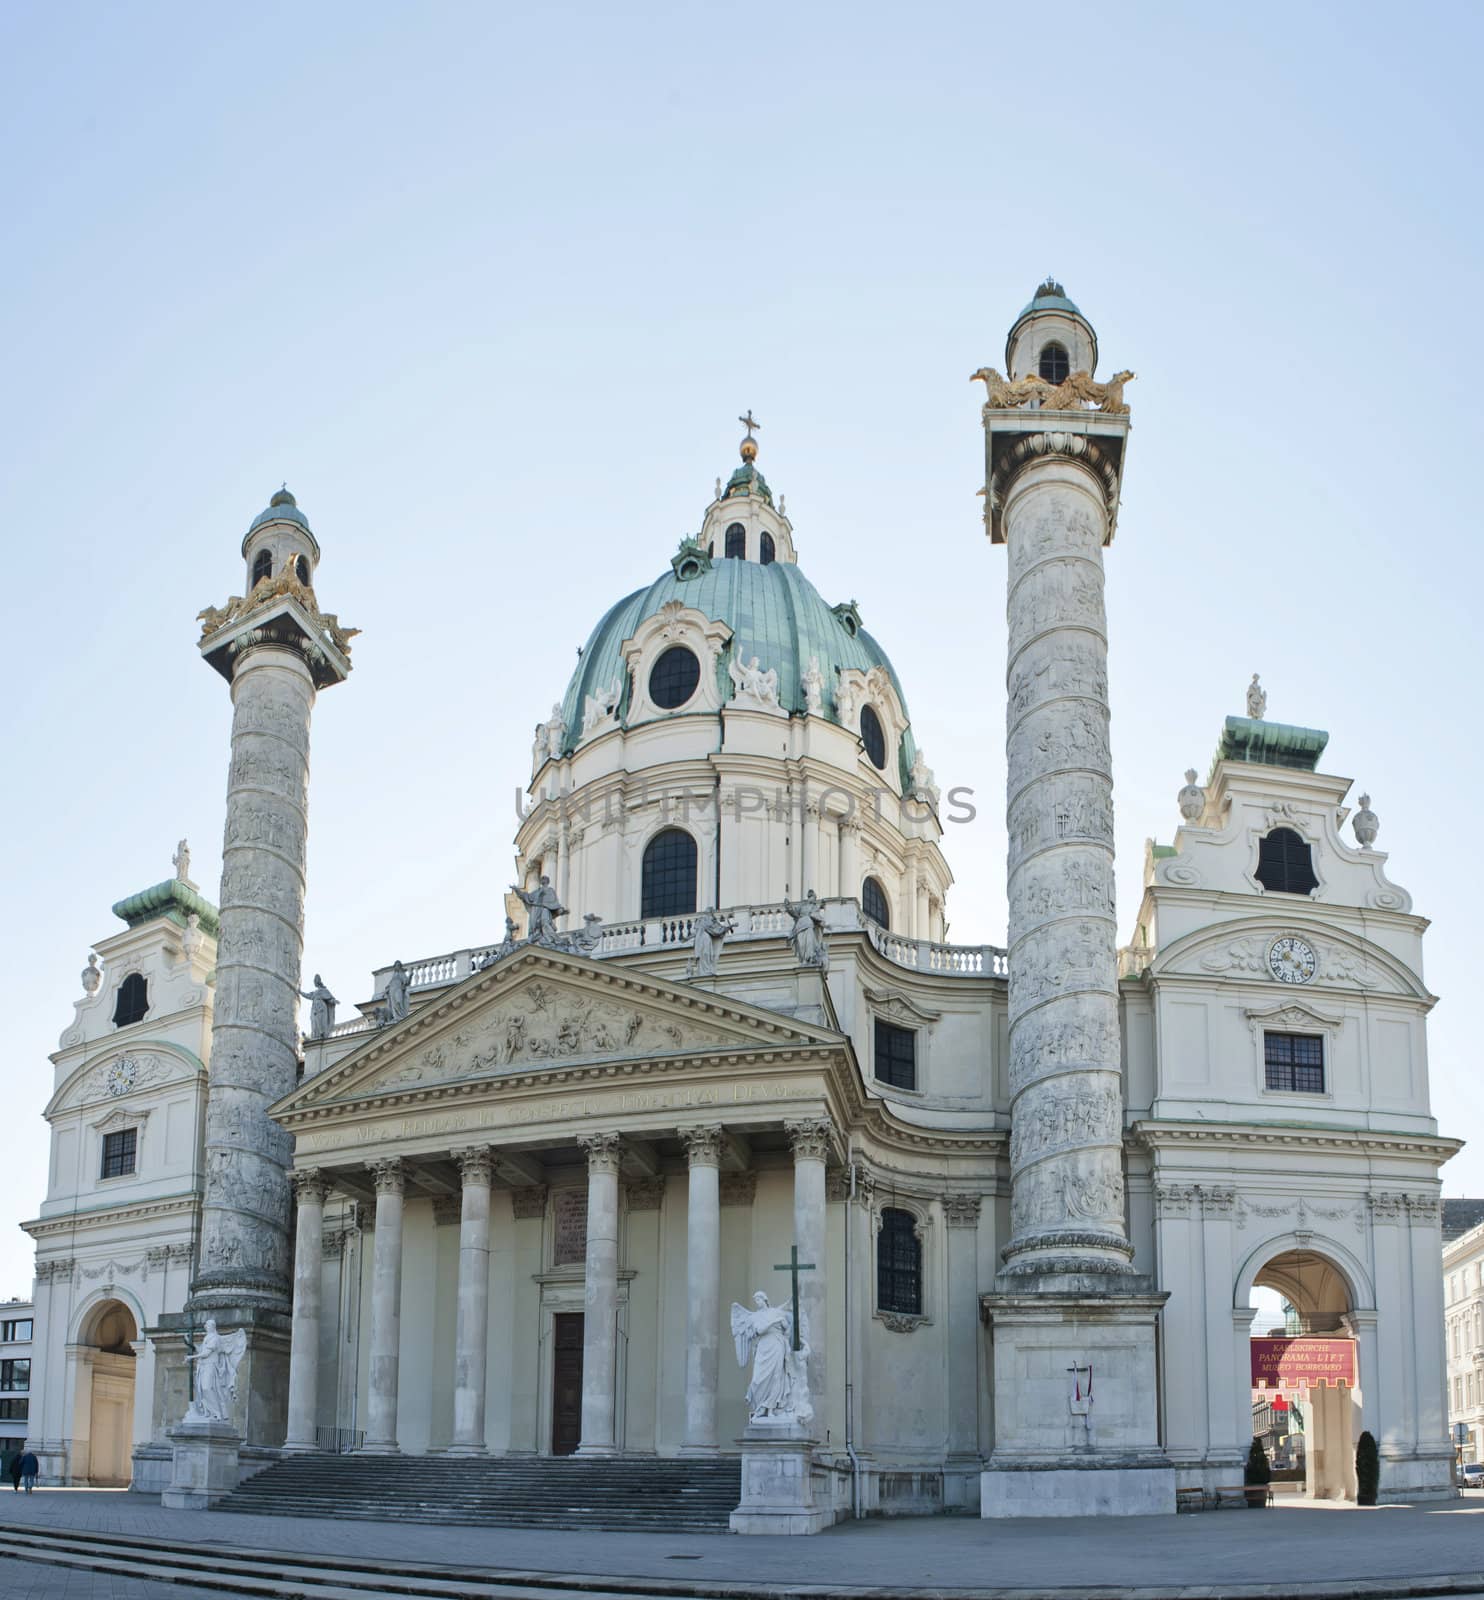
[(742, 523), (1050, 338)]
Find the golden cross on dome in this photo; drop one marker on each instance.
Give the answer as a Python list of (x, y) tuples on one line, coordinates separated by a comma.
[(749, 422)]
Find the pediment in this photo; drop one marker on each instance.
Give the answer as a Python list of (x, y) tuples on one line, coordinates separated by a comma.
[(543, 1009), (117, 1075), (1239, 951)]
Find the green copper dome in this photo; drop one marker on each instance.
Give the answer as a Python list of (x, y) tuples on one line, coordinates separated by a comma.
[(281, 508), (1049, 297), (774, 613)]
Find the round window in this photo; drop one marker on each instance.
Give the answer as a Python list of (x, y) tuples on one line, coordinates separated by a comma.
[(673, 678), (873, 736)]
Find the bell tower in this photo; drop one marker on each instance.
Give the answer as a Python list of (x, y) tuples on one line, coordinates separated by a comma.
[(1073, 1327)]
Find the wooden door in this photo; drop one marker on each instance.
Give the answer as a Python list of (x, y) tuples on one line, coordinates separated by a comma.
[(566, 1382)]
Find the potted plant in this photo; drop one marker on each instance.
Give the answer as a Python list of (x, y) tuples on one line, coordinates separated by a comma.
[(1257, 1474), (1367, 1470)]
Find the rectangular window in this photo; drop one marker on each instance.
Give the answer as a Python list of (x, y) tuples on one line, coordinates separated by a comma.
[(12, 1332), (896, 1055), (899, 1264), (15, 1376), (118, 1152), (1294, 1062), (15, 1410)]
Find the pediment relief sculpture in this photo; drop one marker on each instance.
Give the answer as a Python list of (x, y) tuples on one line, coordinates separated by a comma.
[(1249, 954), (116, 1075)]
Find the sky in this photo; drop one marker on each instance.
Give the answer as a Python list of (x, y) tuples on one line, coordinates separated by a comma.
[(488, 287)]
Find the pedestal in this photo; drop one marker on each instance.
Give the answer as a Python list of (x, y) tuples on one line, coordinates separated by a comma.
[(1076, 1405), (205, 1464), (778, 1494)]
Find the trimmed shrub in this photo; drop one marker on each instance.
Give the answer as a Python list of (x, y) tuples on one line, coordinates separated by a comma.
[(1258, 1469), (1367, 1470)]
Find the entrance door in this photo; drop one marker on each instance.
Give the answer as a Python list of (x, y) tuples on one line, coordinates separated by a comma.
[(566, 1382)]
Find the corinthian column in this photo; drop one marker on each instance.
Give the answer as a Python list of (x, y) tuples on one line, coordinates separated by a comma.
[(311, 1188), (811, 1145), (703, 1285), (600, 1298), (384, 1375), (472, 1336)]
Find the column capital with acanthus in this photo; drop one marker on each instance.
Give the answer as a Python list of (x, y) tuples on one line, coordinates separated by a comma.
[(311, 1186), (810, 1138), (476, 1165), (604, 1151), (702, 1144), (389, 1174)]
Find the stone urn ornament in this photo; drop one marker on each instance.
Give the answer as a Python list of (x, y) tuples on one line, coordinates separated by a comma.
[(1366, 823), (1192, 798)]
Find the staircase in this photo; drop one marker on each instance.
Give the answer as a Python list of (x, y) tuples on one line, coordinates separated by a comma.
[(608, 1494)]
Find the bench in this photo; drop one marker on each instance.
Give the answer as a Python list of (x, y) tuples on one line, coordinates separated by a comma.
[(1229, 1494), (1190, 1500)]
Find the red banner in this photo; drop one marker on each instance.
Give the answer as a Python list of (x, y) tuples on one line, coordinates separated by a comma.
[(1303, 1363)]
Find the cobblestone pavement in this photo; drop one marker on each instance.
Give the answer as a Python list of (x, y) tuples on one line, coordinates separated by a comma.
[(1288, 1546)]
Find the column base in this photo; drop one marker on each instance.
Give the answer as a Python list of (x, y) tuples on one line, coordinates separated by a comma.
[(1078, 1489), (296, 1447), (778, 1490), (388, 1448), (205, 1464), (597, 1450), (699, 1450), (466, 1450)]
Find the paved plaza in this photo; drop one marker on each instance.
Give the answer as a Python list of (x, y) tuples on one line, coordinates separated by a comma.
[(1289, 1550)]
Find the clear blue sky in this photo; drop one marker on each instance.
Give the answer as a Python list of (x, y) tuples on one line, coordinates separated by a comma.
[(489, 285)]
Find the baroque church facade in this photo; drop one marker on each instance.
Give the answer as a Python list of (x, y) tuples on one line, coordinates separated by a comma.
[(506, 1205)]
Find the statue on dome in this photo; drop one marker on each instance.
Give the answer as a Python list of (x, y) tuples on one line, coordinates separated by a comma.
[(1257, 700), (709, 934), (813, 686), (752, 681), (599, 707), (544, 908), (923, 787), (807, 935), (321, 1009)]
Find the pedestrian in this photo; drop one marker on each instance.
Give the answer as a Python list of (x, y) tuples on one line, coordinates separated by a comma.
[(29, 1468), (13, 1467)]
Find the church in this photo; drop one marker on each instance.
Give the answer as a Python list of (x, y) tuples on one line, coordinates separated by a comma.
[(535, 1199)]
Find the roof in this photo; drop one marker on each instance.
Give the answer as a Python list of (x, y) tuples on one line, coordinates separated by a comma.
[(173, 899), (774, 613), (281, 508), (1459, 1216), (1050, 296), (1271, 744)]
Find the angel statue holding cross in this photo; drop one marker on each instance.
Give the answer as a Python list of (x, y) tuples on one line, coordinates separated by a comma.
[(779, 1390)]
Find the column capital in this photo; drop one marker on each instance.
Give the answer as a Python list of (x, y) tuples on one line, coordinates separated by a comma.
[(311, 1186), (604, 1151), (702, 1144), (961, 1210), (389, 1173), (476, 1164), (810, 1138)]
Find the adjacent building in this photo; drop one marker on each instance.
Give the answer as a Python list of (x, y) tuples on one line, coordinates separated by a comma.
[(1463, 1334)]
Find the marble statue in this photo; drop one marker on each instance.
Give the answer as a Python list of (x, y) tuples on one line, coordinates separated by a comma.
[(504, 948), (544, 908), (321, 1009), (847, 703), (181, 861), (556, 730), (779, 1390), (1192, 798), (813, 686), (588, 937), (807, 934), (216, 1377), (91, 976), (1366, 823), (597, 708), (1257, 700), (923, 786), (753, 681), (711, 930), (190, 940), (396, 1002)]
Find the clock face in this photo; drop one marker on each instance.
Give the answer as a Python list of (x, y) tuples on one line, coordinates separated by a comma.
[(1290, 960), (121, 1075)]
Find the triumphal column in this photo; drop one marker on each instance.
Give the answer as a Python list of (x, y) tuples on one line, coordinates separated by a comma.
[(277, 649), (1072, 1325)]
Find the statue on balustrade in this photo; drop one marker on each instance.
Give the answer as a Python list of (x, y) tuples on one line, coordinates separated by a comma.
[(710, 933), (779, 1391), (544, 908), (396, 1002), (321, 1009), (504, 948), (808, 935)]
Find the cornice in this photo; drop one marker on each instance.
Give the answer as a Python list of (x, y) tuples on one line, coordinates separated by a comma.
[(1218, 1135), (143, 1211)]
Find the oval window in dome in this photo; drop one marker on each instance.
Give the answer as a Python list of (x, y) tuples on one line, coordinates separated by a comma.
[(673, 678), (873, 903), (873, 736)]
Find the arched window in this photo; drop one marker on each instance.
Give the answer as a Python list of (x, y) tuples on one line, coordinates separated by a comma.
[(674, 677), (899, 1264), (873, 736), (262, 567), (301, 570), (874, 903), (766, 551), (1285, 863), (736, 542), (132, 1004), (1054, 363), (669, 875)]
